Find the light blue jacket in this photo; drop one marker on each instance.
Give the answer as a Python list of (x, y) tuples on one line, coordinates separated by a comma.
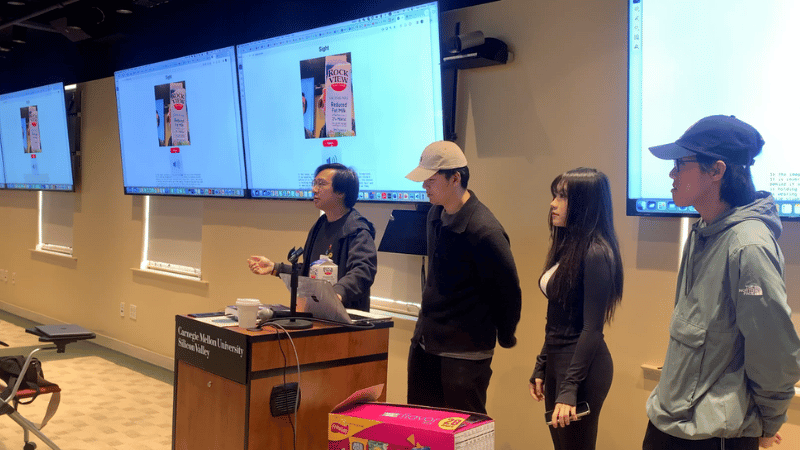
[(732, 359)]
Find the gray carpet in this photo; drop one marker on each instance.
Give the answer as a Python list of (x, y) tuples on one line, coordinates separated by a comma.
[(108, 400)]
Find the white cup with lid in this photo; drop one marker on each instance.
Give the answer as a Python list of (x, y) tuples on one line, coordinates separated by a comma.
[(247, 310)]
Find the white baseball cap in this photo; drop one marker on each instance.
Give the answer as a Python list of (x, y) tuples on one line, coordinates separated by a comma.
[(438, 156)]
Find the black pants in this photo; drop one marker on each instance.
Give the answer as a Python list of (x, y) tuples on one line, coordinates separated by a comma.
[(580, 435), (443, 382), (655, 439)]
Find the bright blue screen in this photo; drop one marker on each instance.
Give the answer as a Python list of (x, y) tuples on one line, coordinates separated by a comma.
[(34, 139)]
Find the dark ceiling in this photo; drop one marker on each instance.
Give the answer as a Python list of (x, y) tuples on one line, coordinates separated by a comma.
[(47, 41)]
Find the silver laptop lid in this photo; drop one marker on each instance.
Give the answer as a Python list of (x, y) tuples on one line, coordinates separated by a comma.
[(317, 297)]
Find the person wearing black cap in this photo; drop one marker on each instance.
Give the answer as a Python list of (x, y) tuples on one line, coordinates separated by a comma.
[(732, 359), (471, 299)]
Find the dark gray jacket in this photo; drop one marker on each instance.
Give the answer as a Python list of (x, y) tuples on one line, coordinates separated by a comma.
[(357, 259), (732, 359)]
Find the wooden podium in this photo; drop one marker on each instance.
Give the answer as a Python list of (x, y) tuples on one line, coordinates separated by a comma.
[(224, 378)]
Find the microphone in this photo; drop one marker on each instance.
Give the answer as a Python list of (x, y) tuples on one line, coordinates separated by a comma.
[(294, 255), (265, 314)]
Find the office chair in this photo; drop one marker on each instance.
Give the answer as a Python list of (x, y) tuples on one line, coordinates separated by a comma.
[(15, 395)]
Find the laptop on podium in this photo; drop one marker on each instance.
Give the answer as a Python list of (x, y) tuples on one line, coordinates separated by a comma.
[(318, 298)]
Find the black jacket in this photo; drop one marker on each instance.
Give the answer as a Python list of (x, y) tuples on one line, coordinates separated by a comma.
[(357, 259), (472, 297)]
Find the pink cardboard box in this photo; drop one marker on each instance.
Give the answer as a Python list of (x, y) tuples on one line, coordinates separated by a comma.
[(359, 423)]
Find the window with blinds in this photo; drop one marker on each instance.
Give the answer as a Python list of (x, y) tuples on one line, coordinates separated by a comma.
[(56, 212), (172, 236)]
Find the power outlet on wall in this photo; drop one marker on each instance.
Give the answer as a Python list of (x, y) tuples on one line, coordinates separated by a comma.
[(133, 312), (122, 309), (3, 274)]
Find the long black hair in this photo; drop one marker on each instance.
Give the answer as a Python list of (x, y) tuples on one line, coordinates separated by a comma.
[(590, 221)]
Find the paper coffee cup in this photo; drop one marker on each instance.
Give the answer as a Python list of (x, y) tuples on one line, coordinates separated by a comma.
[(247, 309)]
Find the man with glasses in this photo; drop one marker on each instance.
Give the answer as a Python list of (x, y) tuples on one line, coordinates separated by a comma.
[(342, 234), (471, 299), (732, 360)]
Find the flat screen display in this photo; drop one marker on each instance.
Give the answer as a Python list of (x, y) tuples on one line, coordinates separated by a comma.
[(365, 93), (180, 127), (691, 59), (2, 171), (35, 141)]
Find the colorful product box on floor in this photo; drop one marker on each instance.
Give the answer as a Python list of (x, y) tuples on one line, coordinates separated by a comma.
[(360, 424)]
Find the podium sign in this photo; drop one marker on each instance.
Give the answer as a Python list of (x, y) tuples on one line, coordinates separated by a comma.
[(214, 349)]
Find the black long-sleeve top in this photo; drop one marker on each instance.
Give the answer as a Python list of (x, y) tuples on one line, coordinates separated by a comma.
[(472, 298), (576, 325)]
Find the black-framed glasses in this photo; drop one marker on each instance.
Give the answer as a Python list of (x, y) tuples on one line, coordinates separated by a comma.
[(679, 163)]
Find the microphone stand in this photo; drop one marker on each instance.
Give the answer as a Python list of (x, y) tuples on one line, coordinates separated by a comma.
[(293, 322)]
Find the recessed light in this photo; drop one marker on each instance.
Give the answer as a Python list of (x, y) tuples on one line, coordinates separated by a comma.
[(124, 11), (12, 3), (19, 35)]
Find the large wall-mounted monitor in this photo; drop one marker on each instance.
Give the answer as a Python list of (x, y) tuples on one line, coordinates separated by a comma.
[(2, 171), (365, 93), (688, 60), (35, 141), (179, 127)]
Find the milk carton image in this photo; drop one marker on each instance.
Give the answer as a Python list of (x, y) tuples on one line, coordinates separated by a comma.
[(324, 269)]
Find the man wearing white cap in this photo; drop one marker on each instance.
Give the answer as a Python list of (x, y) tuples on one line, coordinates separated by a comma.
[(471, 299)]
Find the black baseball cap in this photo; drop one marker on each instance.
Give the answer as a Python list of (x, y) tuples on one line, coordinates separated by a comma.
[(721, 137)]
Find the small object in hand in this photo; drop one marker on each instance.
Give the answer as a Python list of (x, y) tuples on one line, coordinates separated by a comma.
[(581, 410)]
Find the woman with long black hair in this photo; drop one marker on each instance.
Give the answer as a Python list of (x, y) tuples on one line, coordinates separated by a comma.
[(582, 280)]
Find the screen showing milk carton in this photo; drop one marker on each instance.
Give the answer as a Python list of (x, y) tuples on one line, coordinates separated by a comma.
[(180, 128), (34, 140), (365, 93)]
